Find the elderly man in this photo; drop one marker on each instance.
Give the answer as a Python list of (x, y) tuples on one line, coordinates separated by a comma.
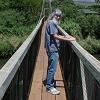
[(52, 43)]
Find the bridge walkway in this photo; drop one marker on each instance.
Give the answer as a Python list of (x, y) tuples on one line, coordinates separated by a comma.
[(38, 90)]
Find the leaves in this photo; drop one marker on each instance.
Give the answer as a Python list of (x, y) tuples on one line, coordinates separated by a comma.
[(17, 18), (71, 27), (83, 27)]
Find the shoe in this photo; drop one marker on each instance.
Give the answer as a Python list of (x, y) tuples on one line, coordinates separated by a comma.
[(53, 91), (44, 82), (53, 83)]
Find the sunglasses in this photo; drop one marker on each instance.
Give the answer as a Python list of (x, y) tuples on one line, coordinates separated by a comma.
[(58, 15)]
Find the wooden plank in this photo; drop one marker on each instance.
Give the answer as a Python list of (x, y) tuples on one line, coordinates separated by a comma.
[(60, 85), (45, 94), (38, 90), (35, 92), (59, 80)]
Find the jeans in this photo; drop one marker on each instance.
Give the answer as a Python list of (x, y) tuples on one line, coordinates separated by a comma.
[(52, 65)]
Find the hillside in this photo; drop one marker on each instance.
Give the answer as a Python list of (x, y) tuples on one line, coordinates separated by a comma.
[(17, 20)]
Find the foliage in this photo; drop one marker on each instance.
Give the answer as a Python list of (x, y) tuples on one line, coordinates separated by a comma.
[(17, 19), (4, 4), (11, 44), (18, 13), (70, 26), (90, 44), (94, 21), (67, 6), (82, 26), (90, 25), (6, 49), (12, 22)]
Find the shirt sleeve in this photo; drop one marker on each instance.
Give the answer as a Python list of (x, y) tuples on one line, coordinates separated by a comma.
[(53, 29)]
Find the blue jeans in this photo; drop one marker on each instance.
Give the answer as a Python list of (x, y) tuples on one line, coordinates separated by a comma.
[(52, 65)]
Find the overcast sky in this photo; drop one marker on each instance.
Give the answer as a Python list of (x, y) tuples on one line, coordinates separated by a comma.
[(85, 0)]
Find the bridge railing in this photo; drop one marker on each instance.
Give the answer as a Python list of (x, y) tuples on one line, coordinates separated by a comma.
[(16, 74), (81, 71)]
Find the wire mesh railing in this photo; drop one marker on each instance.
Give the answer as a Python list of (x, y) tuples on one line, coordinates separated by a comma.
[(16, 74), (81, 71)]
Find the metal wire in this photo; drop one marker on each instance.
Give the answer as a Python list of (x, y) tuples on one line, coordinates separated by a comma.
[(42, 11)]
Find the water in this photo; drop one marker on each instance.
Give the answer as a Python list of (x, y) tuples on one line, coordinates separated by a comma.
[(97, 56), (2, 62), (84, 0), (85, 3)]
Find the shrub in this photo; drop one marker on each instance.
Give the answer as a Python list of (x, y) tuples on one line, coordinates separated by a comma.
[(84, 24), (70, 26), (6, 49), (90, 25), (90, 44), (12, 22), (22, 30), (94, 21), (67, 7), (17, 20)]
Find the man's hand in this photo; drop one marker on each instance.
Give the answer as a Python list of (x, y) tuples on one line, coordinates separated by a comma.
[(65, 38), (69, 38)]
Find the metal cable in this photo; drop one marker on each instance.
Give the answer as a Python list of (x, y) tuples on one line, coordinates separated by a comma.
[(42, 11), (50, 6)]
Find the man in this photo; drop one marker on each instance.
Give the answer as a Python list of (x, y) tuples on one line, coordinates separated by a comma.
[(52, 43)]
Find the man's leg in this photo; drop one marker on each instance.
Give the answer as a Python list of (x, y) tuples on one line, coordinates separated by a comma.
[(53, 60)]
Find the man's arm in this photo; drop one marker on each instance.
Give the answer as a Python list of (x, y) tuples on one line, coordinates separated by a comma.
[(64, 38)]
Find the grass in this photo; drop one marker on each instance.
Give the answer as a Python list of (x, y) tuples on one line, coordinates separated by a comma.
[(90, 44), (9, 44)]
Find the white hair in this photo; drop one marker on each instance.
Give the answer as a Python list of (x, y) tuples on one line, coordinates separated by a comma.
[(55, 12)]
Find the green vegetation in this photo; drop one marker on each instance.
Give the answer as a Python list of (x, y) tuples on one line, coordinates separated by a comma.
[(71, 27), (92, 45), (85, 27), (19, 17), (5, 49), (17, 20)]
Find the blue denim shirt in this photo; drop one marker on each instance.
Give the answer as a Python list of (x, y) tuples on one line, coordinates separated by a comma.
[(51, 44)]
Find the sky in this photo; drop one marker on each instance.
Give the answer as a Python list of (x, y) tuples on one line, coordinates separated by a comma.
[(85, 0)]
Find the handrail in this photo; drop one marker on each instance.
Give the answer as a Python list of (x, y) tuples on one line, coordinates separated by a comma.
[(10, 68), (83, 80), (92, 64)]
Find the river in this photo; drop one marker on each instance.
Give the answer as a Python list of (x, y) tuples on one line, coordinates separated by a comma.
[(2, 62), (97, 56), (85, 3)]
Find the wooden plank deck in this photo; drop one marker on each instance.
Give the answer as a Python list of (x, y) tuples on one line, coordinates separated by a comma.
[(38, 90)]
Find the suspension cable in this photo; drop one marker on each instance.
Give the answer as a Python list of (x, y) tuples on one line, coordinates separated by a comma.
[(50, 6), (42, 11)]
